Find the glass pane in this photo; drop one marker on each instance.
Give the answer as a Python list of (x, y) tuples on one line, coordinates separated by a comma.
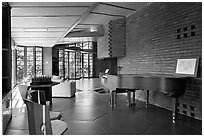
[(30, 65), (29, 57), (60, 63), (39, 67), (72, 45), (61, 53), (66, 64), (90, 65), (90, 45), (30, 53), (29, 49), (38, 49), (81, 45), (85, 64), (71, 64), (20, 73), (38, 70), (30, 70), (78, 45), (20, 64), (85, 45), (78, 64), (38, 54)]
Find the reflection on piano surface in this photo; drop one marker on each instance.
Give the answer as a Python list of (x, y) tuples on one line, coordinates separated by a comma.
[(169, 85)]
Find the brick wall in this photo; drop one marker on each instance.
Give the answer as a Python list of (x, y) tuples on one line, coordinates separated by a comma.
[(156, 36), (112, 44), (102, 44), (116, 39)]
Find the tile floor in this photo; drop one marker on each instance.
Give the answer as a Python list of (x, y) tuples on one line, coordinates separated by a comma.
[(89, 113)]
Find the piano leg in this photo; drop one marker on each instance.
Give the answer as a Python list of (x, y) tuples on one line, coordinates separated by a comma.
[(134, 98), (129, 98), (174, 108), (133, 104), (147, 99), (113, 98)]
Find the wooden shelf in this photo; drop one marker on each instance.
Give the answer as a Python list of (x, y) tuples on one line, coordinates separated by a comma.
[(5, 77), (5, 49), (6, 66)]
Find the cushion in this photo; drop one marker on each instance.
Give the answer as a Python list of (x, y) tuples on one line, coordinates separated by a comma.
[(58, 127)]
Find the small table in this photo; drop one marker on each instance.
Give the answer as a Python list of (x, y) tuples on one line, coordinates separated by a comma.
[(46, 87)]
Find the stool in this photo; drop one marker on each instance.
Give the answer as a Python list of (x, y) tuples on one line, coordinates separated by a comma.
[(113, 96)]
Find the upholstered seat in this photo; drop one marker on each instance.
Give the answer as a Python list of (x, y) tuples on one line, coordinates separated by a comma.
[(25, 92), (64, 89)]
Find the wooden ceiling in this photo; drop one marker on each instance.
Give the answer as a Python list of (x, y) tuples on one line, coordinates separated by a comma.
[(49, 23)]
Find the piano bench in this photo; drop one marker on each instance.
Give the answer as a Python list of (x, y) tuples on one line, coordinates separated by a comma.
[(113, 96)]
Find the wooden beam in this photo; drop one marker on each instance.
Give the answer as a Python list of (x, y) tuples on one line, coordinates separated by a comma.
[(106, 14), (89, 24), (117, 6), (91, 8)]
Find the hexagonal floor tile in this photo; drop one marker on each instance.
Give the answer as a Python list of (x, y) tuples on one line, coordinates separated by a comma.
[(83, 113)]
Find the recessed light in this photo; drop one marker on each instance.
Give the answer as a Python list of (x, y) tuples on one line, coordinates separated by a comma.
[(93, 29), (37, 29)]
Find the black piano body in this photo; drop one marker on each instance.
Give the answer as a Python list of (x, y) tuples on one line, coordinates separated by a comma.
[(170, 85)]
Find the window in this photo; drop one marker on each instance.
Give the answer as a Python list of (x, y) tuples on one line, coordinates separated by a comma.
[(78, 64), (87, 64), (20, 64), (61, 60), (72, 64), (66, 63), (29, 62), (90, 65), (75, 63), (38, 61), (88, 45)]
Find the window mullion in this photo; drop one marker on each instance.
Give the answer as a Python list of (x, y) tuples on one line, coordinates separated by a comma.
[(25, 61), (34, 61)]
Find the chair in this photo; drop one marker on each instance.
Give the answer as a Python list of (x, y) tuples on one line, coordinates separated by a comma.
[(24, 94), (39, 120), (64, 89), (38, 96)]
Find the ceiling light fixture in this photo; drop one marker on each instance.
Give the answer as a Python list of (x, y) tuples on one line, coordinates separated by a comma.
[(93, 29), (37, 29)]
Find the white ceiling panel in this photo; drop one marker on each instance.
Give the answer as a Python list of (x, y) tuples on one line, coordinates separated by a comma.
[(48, 11), (49, 29), (48, 42), (42, 22), (36, 43), (54, 4), (35, 39), (36, 34)]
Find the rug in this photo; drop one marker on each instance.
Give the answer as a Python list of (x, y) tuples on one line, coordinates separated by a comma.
[(101, 90)]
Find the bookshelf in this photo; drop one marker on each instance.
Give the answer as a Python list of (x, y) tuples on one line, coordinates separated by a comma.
[(6, 66)]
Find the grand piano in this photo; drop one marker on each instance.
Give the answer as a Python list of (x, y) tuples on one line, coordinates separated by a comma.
[(170, 85)]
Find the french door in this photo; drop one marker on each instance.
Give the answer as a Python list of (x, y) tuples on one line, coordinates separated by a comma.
[(75, 65)]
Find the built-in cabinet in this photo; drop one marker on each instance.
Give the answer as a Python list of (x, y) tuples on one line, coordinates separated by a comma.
[(6, 65)]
